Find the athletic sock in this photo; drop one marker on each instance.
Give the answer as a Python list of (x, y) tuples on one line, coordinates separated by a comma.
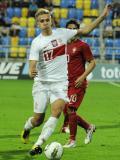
[(47, 130), (73, 125), (66, 117), (81, 122), (28, 124), (66, 120)]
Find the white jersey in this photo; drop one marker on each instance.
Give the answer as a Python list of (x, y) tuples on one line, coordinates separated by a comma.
[(49, 51)]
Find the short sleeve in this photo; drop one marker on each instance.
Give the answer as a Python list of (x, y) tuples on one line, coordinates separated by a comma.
[(68, 33), (34, 51), (87, 53)]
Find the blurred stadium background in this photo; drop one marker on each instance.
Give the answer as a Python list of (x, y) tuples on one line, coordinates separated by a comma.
[(18, 28)]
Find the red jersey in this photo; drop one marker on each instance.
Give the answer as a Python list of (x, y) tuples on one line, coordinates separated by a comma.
[(79, 53)]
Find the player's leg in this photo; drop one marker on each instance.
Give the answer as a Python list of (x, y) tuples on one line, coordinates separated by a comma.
[(76, 97), (72, 127), (65, 127), (58, 98), (40, 103), (31, 123), (49, 126)]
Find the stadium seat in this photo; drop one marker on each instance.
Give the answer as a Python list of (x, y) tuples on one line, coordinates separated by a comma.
[(64, 13), (63, 22), (5, 40), (22, 52), (31, 32), (13, 52), (4, 52), (95, 42), (116, 22), (23, 32), (88, 41), (108, 1), (72, 13), (56, 2), (94, 4), (7, 20), (71, 3), (110, 15), (116, 42), (95, 32), (107, 22), (29, 40), (17, 12), (79, 14), (23, 21), (37, 31), (15, 20), (22, 41), (79, 4), (87, 12), (108, 42), (10, 12), (14, 41), (24, 12), (87, 4), (56, 12), (64, 4), (108, 53), (94, 12), (87, 21), (117, 54), (31, 22), (96, 52)]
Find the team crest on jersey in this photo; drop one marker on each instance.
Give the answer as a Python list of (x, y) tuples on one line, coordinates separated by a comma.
[(74, 49), (54, 43)]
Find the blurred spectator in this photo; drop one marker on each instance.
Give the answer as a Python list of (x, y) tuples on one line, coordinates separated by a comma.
[(32, 8), (16, 3), (2, 21), (15, 29), (3, 5), (108, 31), (25, 3), (4, 31), (116, 11), (44, 3)]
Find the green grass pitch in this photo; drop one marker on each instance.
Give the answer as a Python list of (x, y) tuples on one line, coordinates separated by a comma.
[(101, 106)]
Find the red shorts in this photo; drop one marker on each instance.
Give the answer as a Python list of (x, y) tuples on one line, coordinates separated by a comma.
[(76, 96)]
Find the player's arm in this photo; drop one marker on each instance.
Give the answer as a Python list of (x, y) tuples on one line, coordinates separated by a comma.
[(32, 68), (88, 70), (95, 23)]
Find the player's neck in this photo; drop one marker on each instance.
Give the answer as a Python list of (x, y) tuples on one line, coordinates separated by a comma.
[(46, 32)]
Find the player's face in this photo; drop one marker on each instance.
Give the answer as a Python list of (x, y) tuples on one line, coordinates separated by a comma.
[(44, 21), (72, 26)]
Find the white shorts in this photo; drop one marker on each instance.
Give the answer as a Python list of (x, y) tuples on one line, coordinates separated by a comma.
[(47, 92)]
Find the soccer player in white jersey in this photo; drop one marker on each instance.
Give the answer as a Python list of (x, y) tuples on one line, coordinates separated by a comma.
[(49, 60)]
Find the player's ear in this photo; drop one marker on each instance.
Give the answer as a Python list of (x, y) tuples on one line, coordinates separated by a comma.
[(37, 24)]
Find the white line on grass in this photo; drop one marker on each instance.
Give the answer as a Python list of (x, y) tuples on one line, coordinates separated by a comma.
[(114, 84)]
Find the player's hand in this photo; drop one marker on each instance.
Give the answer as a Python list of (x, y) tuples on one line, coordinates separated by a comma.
[(79, 81), (32, 73), (107, 10)]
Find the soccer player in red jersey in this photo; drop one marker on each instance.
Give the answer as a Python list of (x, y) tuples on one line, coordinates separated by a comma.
[(78, 54)]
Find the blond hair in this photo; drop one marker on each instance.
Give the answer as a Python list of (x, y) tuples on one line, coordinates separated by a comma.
[(41, 11)]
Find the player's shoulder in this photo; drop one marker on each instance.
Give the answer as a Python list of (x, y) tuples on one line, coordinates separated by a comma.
[(36, 39), (59, 30), (83, 43)]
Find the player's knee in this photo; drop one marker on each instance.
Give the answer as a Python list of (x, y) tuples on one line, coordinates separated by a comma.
[(38, 120), (71, 110), (57, 108)]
